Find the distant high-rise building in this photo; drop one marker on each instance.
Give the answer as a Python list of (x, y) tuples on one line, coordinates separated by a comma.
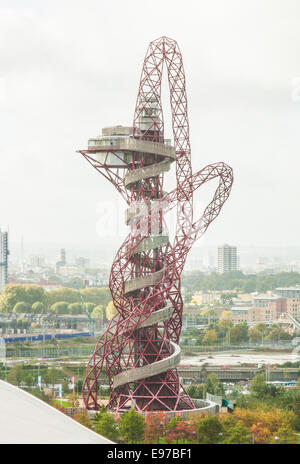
[(227, 259), (3, 259), (82, 263), (63, 256), (62, 262)]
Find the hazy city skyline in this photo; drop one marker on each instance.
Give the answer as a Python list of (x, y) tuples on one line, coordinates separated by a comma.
[(71, 68)]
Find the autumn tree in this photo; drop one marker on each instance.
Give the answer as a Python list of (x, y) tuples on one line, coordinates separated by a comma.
[(210, 337), (285, 435), (83, 418), (154, 427), (73, 399), (181, 433), (110, 310), (259, 433)]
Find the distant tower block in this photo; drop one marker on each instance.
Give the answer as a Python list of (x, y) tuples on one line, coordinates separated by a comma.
[(3, 259), (63, 256), (140, 349), (227, 259)]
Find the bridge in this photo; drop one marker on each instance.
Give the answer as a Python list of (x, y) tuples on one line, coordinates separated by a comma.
[(198, 374)]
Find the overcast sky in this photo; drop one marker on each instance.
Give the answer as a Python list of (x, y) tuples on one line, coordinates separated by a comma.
[(69, 68)]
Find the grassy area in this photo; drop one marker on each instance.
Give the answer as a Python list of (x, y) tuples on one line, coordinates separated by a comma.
[(64, 403)]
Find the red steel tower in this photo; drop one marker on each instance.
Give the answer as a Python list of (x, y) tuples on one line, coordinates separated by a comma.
[(139, 350)]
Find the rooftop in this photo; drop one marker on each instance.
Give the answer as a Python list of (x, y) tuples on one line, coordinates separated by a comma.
[(25, 419)]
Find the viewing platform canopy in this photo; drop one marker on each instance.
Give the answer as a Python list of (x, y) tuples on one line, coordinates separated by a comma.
[(117, 148)]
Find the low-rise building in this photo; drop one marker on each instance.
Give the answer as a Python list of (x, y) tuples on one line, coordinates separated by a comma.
[(293, 307), (204, 297)]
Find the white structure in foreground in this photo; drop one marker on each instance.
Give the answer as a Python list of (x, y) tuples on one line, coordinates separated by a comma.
[(26, 419)]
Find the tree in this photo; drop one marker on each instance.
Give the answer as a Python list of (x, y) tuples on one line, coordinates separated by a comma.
[(75, 308), (210, 337), (181, 433), (98, 313), (34, 293), (52, 377), (37, 307), (236, 434), (21, 307), (239, 333), (213, 385), (90, 307), (188, 296), (73, 399), (259, 433), (83, 418), (132, 427), (98, 296), (16, 374), (227, 297), (106, 426), (110, 310), (272, 418), (29, 380), (60, 307), (284, 436), (154, 427), (279, 334), (226, 316), (10, 296), (209, 430), (259, 386)]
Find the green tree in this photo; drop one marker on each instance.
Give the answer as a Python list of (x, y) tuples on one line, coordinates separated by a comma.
[(60, 307), (21, 307), (98, 313), (239, 333), (37, 307), (236, 434), (90, 306), (285, 435), (106, 426), (132, 427), (209, 430), (188, 296), (29, 380), (10, 296), (214, 386), (53, 376), (98, 296), (279, 334), (259, 386), (16, 374), (34, 293), (75, 308), (68, 295)]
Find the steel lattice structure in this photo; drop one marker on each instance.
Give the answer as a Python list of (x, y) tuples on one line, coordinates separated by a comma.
[(139, 349)]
